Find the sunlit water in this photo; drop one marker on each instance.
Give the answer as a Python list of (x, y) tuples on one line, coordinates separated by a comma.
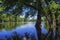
[(21, 30)]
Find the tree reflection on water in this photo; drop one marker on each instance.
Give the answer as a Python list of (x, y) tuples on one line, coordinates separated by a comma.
[(10, 25)]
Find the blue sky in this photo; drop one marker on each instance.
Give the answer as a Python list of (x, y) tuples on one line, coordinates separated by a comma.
[(27, 10)]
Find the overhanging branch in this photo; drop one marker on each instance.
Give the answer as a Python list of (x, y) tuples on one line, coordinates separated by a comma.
[(34, 7)]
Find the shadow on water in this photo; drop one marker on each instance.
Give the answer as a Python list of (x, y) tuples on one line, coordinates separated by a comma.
[(20, 31)]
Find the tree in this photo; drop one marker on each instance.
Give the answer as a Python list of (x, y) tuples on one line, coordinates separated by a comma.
[(52, 18)]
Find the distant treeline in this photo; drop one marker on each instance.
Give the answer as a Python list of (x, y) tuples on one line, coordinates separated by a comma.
[(10, 18), (13, 18)]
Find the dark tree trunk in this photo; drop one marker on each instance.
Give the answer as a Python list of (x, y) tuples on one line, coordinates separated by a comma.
[(38, 26), (38, 22)]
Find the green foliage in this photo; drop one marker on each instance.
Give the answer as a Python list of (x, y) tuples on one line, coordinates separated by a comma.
[(55, 11), (1, 9), (53, 5), (20, 19), (10, 18)]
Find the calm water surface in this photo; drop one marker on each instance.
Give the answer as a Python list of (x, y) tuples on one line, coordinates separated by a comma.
[(10, 29)]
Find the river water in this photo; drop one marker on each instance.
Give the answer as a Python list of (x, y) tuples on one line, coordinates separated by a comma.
[(7, 30)]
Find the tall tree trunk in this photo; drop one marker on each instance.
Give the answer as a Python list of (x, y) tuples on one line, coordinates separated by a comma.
[(52, 25), (38, 22), (51, 21), (38, 26)]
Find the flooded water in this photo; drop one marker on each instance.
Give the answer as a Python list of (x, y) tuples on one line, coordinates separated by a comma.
[(8, 30)]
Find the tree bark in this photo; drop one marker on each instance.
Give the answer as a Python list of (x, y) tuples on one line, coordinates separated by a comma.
[(38, 26), (38, 22)]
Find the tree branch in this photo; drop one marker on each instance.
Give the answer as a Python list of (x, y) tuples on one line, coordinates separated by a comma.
[(34, 7)]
